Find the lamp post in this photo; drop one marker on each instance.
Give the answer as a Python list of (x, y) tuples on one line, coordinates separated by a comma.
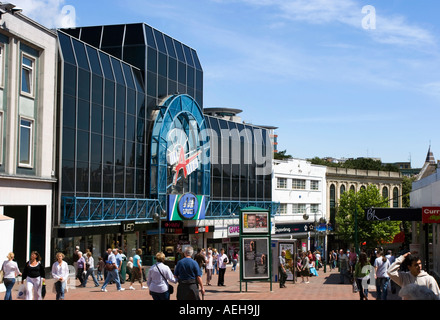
[(158, 217)]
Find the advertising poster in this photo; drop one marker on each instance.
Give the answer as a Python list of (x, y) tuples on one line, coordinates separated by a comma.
[(256, 255), (290, 255), (255, 222)]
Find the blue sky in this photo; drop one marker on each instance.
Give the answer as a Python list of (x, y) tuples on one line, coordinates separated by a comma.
[(317, 69)]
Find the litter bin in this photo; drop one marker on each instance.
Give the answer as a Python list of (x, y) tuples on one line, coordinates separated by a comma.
[(123, 270)]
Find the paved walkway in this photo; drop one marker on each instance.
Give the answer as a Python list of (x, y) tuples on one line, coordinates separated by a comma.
[(324, 287)]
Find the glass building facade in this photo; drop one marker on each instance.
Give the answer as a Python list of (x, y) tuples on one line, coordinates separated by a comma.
[(131, 111)]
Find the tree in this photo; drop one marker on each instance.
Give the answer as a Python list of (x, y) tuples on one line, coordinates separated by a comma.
[(353, 204), (281, 155)]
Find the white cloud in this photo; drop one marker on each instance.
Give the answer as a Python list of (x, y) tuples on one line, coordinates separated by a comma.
[(389, 29), (50, 13)]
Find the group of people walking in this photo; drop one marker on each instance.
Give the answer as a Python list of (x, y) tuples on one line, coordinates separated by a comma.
[(188, 273), (387, 272)]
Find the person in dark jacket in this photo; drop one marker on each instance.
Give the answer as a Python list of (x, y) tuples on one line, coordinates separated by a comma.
[(35, 276)]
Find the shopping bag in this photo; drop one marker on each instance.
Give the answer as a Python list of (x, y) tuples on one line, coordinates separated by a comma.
[(21, 292)]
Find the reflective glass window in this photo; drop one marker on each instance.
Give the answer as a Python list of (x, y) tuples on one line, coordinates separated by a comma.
[(196, 60), (82, 146), (109, 96), (151, 84), (108, 121), (118, 71), (112, 36), (83, 84), (70, 79), (108, 150), (95, 178), (190, 77), (139, 80), (83, 115), (97, 87), (96, 118), (94, 60), (188, 55), (172, 69), (119, 152), (105, 62), (150, 37), (120, 125), (170, 46), (96, 147), (66, 48), (179, 51), (162, 65), (128, 75), (68, 174), (131, 101), (152, 60), (131, 128), (160, 42), (80, 53), (134, 34), (68, 144), (120, 98), (69, 111), (182, 73)]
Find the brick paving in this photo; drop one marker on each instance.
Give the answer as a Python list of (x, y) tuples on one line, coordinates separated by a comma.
[(324, 287)]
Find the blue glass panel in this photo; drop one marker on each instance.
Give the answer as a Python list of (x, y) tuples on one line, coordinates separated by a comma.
[(179, 51), (118, 71), (160, 42), (94, 60), (106, 66), (128, 75), (66, 48), (150, 37), (196, 60), (81, 56), (170, 46), (188, 55)]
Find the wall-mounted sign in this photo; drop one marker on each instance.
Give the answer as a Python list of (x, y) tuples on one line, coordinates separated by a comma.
[(431, 214), (186, 206), (393, 214), (127, 226), (233, 231)]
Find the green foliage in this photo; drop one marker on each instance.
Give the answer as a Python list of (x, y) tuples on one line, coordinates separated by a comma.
[(359, 163), (372, 232), (281, 155)]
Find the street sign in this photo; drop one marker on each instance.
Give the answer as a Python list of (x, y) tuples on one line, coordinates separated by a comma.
[(431, 214)]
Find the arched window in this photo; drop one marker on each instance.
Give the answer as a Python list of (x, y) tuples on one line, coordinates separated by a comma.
[(395, 197), (332, 196), (352, 188), (385, 192), (342, 189)]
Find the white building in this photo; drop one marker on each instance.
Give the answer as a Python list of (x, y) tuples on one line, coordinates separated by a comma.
[(28, 61), (426, 193), (300, 188)]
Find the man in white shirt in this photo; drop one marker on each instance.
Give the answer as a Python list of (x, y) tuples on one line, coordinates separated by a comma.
[(113, 274), (221, 267)]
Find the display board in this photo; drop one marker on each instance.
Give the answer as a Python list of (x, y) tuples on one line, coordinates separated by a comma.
[(255, 242)]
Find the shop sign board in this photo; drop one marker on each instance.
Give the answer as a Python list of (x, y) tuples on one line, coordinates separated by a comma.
[(186, 206), (431, 214)]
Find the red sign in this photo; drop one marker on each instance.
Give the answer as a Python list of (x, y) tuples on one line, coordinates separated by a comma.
[(431, 214)]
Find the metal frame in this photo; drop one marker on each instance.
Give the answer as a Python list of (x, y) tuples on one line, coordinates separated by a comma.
[(84, 209)]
